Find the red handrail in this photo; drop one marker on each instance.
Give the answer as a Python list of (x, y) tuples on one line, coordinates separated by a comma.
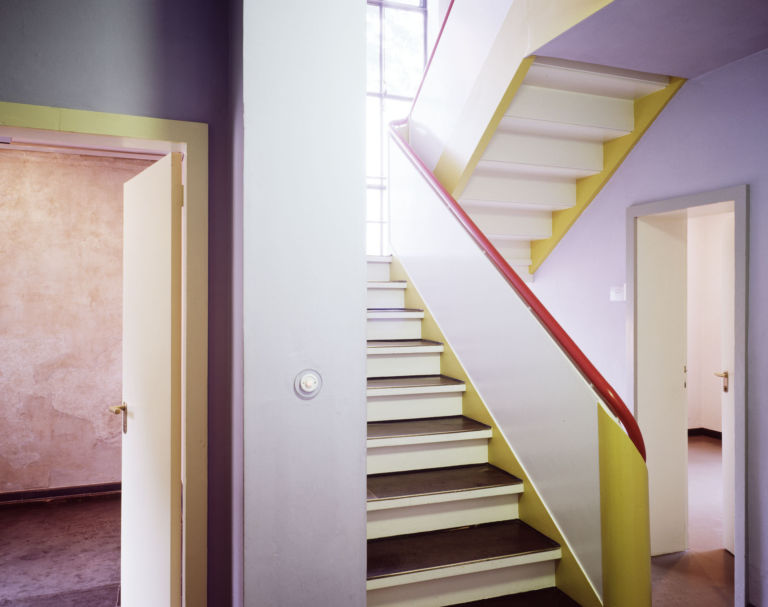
[(591, 374)]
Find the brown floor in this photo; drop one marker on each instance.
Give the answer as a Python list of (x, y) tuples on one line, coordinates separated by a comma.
[(62, 554), (703, 575)]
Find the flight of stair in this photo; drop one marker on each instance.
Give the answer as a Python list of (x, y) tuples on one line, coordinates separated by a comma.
[(550, 136), (442, 521)]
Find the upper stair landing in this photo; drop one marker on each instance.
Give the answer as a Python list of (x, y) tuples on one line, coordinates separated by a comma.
[(554, 135)]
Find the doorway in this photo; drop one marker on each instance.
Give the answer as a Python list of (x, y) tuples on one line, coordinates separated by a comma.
[(41, 127), (658, 291)]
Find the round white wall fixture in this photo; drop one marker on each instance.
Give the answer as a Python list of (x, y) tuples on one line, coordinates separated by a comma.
[(307, 383)]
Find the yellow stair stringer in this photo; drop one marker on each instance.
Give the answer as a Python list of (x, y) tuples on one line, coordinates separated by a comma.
[(569, 574), (615, 151)]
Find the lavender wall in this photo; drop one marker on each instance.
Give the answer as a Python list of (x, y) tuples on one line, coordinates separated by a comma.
[(712, 135), (168, 59)]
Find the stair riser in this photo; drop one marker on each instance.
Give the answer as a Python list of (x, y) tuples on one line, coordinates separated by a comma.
[(385, 298), (530, 191), (378, 271), (445, 515), (398, 365), (545, 151), (406, 328), (518, 223), (384, 408), (430, 455), (464, 588)]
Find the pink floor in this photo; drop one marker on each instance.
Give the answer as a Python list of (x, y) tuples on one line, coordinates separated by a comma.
[(702, 576)]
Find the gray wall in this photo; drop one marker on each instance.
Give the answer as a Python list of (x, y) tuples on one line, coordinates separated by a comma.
[(166, 59), (713, 134), (304, 302)]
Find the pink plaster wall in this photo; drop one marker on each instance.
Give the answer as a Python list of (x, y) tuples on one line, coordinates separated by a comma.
[(60, 318)]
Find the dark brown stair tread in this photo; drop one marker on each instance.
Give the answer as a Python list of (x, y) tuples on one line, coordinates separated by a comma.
[(424, 426), (413, 381), (547, 597), (401, 343), (422, 551), (437, 480)]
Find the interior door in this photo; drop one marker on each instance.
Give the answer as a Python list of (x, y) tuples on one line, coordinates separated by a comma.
[(660, 322), (151, 458), (728, 363)]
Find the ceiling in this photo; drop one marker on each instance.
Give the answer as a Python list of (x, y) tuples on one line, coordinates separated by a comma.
[(674, 37)]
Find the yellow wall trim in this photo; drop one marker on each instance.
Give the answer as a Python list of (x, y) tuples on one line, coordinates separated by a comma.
[(570, 576), (614, 152), (154, 133), (624, 517)]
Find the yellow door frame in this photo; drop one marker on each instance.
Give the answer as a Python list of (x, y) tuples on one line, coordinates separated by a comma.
[(118, 131)]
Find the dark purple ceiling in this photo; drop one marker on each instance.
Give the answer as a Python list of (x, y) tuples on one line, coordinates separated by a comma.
[(675, 37)]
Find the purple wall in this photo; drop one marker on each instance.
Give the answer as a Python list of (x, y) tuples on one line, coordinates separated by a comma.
[(713, 134)]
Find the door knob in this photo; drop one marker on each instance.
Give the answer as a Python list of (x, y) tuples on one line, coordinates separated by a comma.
[(724, 375), (117, 410)]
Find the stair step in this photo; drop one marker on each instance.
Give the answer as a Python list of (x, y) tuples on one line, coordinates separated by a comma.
[(394, 323), (495, 190), (386, 294), (403, 357), (437, 484), (415, 444), (513, 222), (593, 79), (546, 597), (415, 397), (423, 557), (378, 267), (531, 171), (430, 430)]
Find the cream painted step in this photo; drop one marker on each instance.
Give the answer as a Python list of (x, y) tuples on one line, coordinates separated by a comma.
[(507, 192), (396, 446), (378, 267), (394, 323), (426, 500), (401, 357), (567, 114), (458, 565), (520, 224), (593, 79), (535, 155), (397, 398), (386, 294)]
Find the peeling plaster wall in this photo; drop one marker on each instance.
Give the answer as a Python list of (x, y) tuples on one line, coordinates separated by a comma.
[(60, 318)]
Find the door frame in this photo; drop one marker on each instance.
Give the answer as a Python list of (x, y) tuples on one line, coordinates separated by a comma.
[(119, 132), (740, 196)]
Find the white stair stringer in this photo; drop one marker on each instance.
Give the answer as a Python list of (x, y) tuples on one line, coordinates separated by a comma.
[(550, 136)]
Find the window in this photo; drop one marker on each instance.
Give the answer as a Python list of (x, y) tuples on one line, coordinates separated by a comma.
[(396, 57)]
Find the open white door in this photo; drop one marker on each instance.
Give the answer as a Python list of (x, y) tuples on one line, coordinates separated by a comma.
[(660, 337), (728, 364), (151, 477)]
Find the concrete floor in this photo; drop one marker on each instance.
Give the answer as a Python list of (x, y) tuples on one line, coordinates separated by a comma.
[(62, 554), (67, 554), (703, 575)]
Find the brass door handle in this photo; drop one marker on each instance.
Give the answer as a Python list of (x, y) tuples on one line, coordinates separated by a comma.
[(724, 375), (117, 410)]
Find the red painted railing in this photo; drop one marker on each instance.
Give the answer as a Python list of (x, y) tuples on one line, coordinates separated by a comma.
[(612, 400)]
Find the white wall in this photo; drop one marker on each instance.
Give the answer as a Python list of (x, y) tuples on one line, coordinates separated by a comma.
[(304, 302), (705, 303)]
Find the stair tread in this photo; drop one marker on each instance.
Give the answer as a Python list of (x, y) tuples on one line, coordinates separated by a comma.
[(424, 427), (395, 310), (413, 381), (437, 480), (401, 343), (546, 597), (450, 547)]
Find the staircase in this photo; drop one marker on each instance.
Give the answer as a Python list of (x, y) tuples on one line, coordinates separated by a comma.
[(443, 525), (550, 138)]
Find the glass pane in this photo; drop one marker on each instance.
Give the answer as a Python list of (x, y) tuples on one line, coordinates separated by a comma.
[(373, 238), (403, 51), (386, 249), (373, 137), (394, 109), (373, 205), (374, 49)]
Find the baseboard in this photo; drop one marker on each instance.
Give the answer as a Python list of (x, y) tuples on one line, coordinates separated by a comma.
[(705, 432), (59, 493)]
